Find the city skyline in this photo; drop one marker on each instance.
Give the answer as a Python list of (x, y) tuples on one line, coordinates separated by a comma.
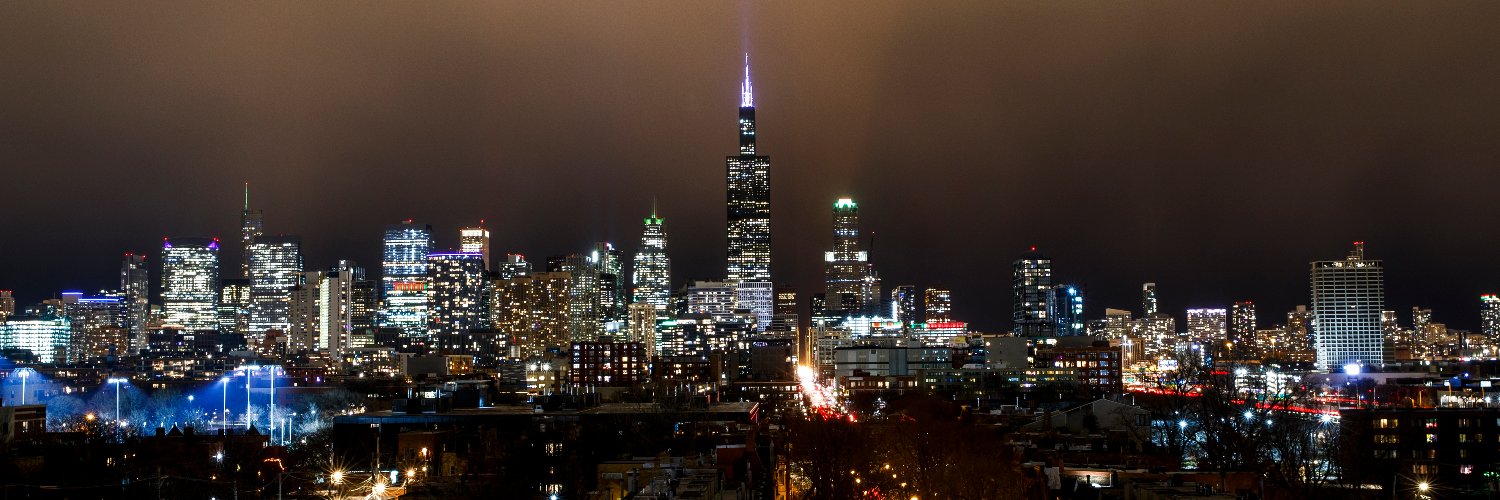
[(957, 188)]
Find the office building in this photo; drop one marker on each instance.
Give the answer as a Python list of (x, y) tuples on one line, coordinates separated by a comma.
[(135, 284), (475, 240), (1031, 288), (641, 326), (1242, 322), (937, 303), (534, 312), (607, 364), (651, 279), (404, 284), (234, 305), (514, 266), (275, 269), (1207, 326), (613, 295), (99, 327), (190, 282), (847, 268), (785, 317), (584, 316), (1067, 310), (47, 336), (1489, 316), (1149, 304), (904, 306), (757, 298), (458, 294), (711, 297), (1347, 298), (748, 200), (252, 226)]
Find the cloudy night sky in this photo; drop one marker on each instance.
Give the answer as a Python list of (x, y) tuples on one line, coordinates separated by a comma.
[(1212, 148)]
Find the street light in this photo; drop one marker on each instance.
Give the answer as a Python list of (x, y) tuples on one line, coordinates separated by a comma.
[(24, 373), (224, 408), (117, 381), (1423, 486)]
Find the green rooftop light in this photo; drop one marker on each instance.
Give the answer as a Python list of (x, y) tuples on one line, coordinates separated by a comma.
[(845, 203)]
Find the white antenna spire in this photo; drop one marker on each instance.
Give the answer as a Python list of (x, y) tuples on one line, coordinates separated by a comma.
[(747, 94)]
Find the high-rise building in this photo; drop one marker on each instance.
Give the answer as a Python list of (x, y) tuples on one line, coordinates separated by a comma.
[(847, 268), (1149, 305), (275, 269), (613, 296), (651, 281), (786, 318), (252, 226), (1489, 316), (190, 282), (533, 311), (642, 326), (748, 200), (475, 240), (515, 266), (583, 294), (403, 280), (7, 305), (1242, 322), (711, 297), (938, 305), (1067, 310), (47, 336), (99, 326), (1031, 291), (135, 284), (458, 294), (1299, 328), (904, 306), (1347, 298), (234, 305), (1207, 326), (757, 298), (329, 306)]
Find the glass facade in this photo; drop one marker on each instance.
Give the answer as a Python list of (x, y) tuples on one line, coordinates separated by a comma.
[(190, 282), (748, 201), (1347, 299), (275, 269), (404, 282)]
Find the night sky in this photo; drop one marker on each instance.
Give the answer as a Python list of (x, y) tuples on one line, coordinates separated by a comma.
[(1214, 148)]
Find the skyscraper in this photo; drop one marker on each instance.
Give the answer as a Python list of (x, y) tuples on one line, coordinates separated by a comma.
[(1149, 305), (459, 295), (515, 266), (1067, 310), (651, 279), (1207, 326), (904, 306), (748, 200), (275, 269), (475, 240), (534, 311), (190, 282), (1489, 316), (613, 296), (847, 268), (1242, 322), (99, 327), (583, 294), (252, 226), (234, 305), (786, 319), (135, 284), (7, 305), (403, 278), (1031, 291), (1347, 298), (938, 304)]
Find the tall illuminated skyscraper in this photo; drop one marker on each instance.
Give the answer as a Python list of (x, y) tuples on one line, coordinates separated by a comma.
[(1149, 305), (748, 200), (583, 294), (651, 279), (1031, 288), (135, 284), (904, 306), (252, 225), (612, 292), (1207, 326), (1067, 310), (404, 282), (847, 268), (1489, 316), (1347, 298), (459, 294), (1242, 322), (475, 240), (234, 305), (190, 282), (938, 305), (275, 269)]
